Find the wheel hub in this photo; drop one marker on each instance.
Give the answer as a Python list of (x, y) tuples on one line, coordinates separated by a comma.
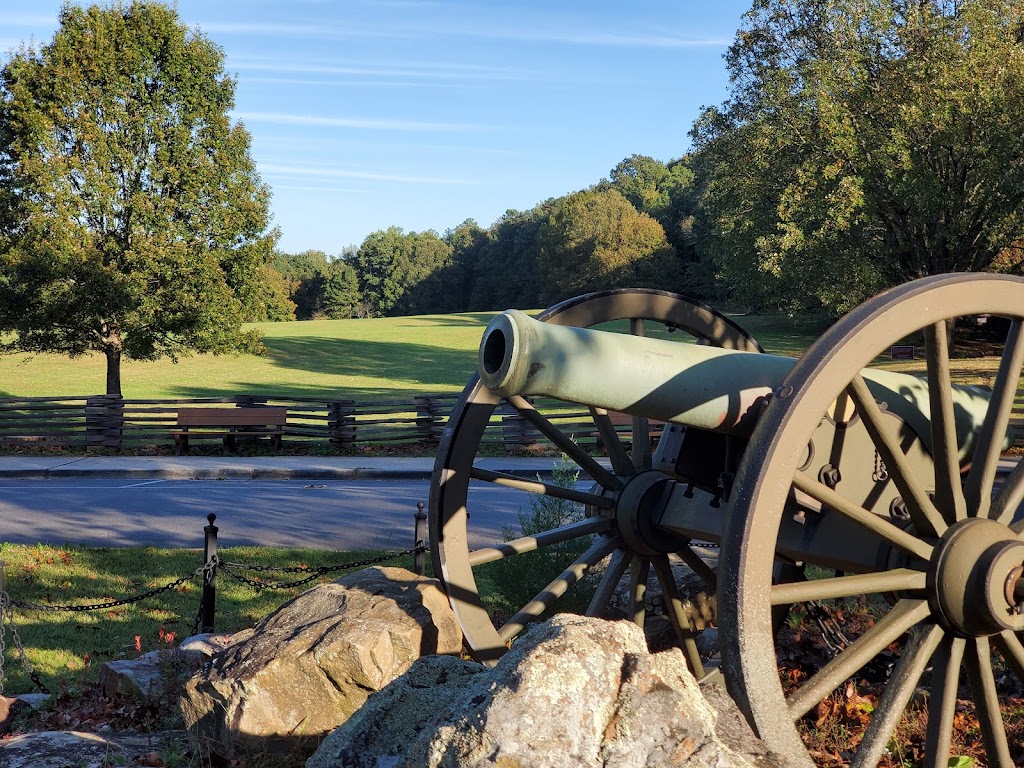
[(638, 507), (975, 583)]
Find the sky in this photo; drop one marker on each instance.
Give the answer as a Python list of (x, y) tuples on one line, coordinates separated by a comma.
[(366, 114)]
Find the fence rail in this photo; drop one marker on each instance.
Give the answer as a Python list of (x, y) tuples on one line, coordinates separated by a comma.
[(104, 421)]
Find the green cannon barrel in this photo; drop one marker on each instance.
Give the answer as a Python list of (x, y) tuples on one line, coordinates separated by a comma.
[(692, 384)]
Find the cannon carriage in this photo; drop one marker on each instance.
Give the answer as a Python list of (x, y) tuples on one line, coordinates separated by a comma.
[(823, 479)]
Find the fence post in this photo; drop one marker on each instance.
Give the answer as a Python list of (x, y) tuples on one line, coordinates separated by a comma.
[(420, 534), (341, 422), (209, 598), (104, 421)]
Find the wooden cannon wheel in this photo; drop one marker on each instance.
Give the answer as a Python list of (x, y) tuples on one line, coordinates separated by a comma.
[(942, 649), (458, 475)]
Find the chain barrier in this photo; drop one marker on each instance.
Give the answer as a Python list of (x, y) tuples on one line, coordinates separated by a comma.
[(231, 570), (7, 620), (205, 572)]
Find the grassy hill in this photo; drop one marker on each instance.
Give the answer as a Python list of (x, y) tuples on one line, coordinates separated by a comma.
[(361, 359)]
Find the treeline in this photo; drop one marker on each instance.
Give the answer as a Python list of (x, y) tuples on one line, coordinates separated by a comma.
[(633, 228), (858, 148)]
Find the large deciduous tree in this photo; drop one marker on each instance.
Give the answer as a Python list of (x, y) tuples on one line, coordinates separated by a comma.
[(596, 239), (391, 262), (132, 219), (865, 143)]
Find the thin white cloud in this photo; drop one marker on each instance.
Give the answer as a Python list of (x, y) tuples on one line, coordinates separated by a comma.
[(541, 32), (281, 118), (416, 70), (338, 173), (361, 83)]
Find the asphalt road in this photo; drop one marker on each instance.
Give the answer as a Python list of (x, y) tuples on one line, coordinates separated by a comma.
[(326, 514)]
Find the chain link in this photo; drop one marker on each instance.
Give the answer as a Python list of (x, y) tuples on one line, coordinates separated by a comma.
[(206, 572), (315, 573), (27, 605), (7, 620)]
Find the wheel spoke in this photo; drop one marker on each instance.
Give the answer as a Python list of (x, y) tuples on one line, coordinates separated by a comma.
[(538, 540), (546, 489), (1012, 651), (942, 702), (680, 622), (986, 701), (949, 495), (696, 563), (1010, 496), (622, 464), (597, 551), (564, 443), (617, 565), (639, 573), (926, 517), (896, 536), (895, 580), (900, 688), (904, 615), (997, 419)]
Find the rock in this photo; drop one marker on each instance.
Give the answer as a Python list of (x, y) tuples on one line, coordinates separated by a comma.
[(138, 678), (10, 708), (306, 668), (61, 749), (733, 729), (35, 700), (200, 648), (572, 691)]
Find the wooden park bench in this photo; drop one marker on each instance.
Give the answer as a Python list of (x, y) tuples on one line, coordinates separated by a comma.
[(229, 423)]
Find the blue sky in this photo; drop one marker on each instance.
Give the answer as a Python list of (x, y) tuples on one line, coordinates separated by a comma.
[(422, 113)]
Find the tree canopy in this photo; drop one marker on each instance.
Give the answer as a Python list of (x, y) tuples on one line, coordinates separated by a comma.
[(597, 239), (864, 143), (132, 219)]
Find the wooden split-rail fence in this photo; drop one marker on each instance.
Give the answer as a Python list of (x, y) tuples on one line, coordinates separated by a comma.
[(104, 421)]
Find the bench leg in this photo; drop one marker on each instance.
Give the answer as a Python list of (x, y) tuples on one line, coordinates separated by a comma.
[(229, 444), (180, 445), (275, 443)]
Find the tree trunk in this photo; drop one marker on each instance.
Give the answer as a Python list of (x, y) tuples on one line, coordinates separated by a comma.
[(113, 353)]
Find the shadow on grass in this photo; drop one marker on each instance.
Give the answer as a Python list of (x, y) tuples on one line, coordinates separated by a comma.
[(427, 369)]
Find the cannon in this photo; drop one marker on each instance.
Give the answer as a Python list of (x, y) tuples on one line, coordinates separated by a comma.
[(864, 505)]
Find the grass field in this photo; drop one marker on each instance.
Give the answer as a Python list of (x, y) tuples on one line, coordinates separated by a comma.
[(71, 646), (359, 359)]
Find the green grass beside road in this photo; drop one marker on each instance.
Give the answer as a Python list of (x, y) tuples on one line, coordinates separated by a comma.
[(67, 647)]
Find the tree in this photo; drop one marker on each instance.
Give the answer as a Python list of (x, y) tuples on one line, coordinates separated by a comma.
[(133, 222), (391, 262), (341, 297), (596, 239), (865, 143)]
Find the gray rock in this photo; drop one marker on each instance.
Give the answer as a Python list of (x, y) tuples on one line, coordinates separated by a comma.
[(733, 729), (138, 678), (60, 749), (200, 648), (572, 691), (35, 700), (310, 665)]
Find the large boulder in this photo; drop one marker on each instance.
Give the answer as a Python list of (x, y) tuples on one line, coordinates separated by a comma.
[(306, 668), (572, 691)]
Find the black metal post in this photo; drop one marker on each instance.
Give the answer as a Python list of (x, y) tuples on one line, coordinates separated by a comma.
[(209, 576), (418, 559)]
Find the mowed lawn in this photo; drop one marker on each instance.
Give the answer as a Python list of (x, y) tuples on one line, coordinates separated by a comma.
[(361, 359), (376, 358)]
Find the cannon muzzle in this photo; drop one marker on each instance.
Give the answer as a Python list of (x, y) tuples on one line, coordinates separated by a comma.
[(696, 385)]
